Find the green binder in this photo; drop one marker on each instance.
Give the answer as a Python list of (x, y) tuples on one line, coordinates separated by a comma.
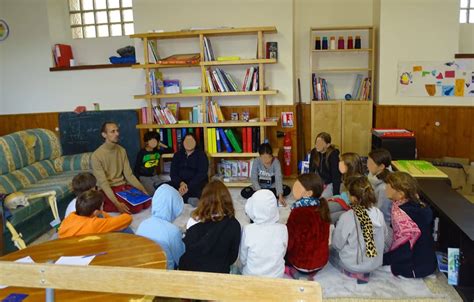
[(170, 138), (233, 140)]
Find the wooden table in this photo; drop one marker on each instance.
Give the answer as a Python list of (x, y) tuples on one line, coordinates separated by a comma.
[(418, 168), (121, 250)]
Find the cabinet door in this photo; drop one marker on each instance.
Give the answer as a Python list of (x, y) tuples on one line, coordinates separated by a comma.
[(356, 127), (326, 117)]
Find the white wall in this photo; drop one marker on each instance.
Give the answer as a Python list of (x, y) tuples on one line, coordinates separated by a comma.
[(466, 38), (416, 30), (323, 13)]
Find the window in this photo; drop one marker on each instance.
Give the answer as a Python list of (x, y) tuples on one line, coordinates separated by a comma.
[(100, 18), (466, 13)]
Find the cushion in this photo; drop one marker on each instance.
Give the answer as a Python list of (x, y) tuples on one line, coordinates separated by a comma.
[(75, 162), (24, 177)]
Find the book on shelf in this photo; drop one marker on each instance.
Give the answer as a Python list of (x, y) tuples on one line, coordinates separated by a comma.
[(228, 58), (234, 170), (181, 59), (153, 56), (174, 108), (195, 115), (320, 88), (233, 140), (250, 82), (191, 89), (208, 53), (361, 88), (134, 196), (173, 139), (271, 50), (214, 112), (156, 82), (224, 139), (171, 86)]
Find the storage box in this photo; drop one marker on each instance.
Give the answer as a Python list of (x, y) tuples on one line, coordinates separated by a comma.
[(460, 173), (401, 143)]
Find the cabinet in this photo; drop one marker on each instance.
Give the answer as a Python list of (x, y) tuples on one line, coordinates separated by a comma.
[(342, 87), (202, 38)]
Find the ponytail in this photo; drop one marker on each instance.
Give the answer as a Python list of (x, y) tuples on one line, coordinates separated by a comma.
[(361, 189), (324, 210)]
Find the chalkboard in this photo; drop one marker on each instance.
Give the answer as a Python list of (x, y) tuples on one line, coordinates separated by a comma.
[(81, 132)]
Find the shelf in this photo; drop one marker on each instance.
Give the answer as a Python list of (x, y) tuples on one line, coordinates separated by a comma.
[(83, 67), (206, 32), (207, 125), (167, 155), (237, 184), (226, 154), (152, 65), (191, 95), (342, 28), (342, 70), (342, 50), (239, 62)]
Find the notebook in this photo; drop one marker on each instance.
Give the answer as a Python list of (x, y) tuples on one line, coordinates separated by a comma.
[(134, 196)]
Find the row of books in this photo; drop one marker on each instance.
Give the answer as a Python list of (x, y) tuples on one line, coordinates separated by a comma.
[(218, 80), (250, 82), (156, 82), (195, 115), (173, 137), (361, 88), (214, 112), (226, 140), (208, 53), (320, 88), (153, 56), (232, 170), (161, 115)]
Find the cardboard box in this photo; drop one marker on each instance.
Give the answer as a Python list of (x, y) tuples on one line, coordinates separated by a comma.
[(468, 188), (457, 175)]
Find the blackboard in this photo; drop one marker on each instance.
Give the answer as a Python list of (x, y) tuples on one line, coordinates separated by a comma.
[(81, 132)]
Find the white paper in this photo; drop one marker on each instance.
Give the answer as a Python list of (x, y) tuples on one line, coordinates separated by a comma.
[(75, 260)]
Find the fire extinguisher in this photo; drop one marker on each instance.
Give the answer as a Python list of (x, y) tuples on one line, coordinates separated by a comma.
[(287, 154)]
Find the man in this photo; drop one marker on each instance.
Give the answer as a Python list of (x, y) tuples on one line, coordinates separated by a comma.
[(111, 167)]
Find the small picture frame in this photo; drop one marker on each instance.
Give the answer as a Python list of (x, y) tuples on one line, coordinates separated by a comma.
[(234, 116), (287, 120), (245, 116)]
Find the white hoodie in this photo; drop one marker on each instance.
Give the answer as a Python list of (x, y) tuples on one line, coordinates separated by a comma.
[(264, 242), (348, 240)]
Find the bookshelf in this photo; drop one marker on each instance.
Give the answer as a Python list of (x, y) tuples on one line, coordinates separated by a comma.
[(338, 72), (206, 94)]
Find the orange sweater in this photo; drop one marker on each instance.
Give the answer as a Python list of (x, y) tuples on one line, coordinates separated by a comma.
[(76, 225)]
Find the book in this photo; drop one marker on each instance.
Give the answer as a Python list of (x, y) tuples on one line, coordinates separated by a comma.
[(272, 50), (175, 140), (223, 137), (218, 139), (249, 139), (233, 140), (134, 196), (181, 59), (228, 58), (174, 108), (244, 140), (171, 86)]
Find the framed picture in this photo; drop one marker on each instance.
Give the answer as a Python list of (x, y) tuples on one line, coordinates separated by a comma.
[(287, 120), (4, 30)]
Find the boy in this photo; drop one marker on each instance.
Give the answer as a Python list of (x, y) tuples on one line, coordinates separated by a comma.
[(90, 219), (148, 160), (80, 183)]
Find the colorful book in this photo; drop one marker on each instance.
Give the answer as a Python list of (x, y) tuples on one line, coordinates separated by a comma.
[(181, 59), (134, 196), (233, 140), (224, 139)]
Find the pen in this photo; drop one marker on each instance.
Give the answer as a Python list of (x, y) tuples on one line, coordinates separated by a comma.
[(96, 254)]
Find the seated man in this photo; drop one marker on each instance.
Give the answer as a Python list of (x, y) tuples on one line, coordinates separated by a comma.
[(111, 167)]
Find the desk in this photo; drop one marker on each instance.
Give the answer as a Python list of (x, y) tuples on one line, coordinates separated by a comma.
[(418, 168), (122, 250)]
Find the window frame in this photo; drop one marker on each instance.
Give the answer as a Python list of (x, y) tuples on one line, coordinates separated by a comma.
[(109, 24)]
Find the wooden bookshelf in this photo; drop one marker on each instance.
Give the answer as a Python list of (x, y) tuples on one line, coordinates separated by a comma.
[(205, 95), (348, 122)]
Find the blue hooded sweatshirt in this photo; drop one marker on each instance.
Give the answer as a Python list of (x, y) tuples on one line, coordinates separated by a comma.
[(167, 205)]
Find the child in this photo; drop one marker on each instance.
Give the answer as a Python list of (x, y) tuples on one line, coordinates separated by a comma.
[(213, 237), (264, 242), (350, 166), (80, 183), (308, 228), (266, 174), (189, 170), (379, 163), (359, 237), (411, 254), (90, 219), (324, 160), (166, 206), (148, 160)]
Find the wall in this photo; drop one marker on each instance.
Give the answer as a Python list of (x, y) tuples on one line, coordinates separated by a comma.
[(416, 30), (466, 38), (323, 13)]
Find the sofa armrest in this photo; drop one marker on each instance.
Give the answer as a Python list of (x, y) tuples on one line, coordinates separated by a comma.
[(76, 162)]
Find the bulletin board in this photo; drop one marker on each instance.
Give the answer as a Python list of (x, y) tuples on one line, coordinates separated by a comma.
[(436, 79)]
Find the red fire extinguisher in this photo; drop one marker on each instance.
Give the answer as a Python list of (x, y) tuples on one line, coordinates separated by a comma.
[(287, 154)]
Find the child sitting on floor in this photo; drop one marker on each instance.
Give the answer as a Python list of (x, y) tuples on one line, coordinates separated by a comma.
[(148, 160), (90, 219), (308, 228), (264, 242), (412, 253), (379, 166), (350, 165), (166, 206), (359, 237), (80, 183), (266, 174)]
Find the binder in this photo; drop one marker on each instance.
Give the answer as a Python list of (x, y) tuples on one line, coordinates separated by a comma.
[(63, 53), (218, 139), (225, 140), (233, 140), (249, 138), (170, 137), (244, 139)]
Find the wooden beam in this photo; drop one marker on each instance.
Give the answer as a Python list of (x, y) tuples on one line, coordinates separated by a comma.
[(140, 281)]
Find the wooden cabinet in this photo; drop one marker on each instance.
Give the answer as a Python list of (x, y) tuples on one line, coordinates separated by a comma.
[(342, 87)]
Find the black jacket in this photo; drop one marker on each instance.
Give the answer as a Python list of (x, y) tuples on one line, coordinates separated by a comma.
[(328, 168), (191, 169), (420, 261), (211, 246)]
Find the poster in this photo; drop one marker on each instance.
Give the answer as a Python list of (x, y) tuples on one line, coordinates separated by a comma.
[(436, 79)]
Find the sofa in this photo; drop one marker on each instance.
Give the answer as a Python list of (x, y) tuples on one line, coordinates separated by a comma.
[(31, 161)]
